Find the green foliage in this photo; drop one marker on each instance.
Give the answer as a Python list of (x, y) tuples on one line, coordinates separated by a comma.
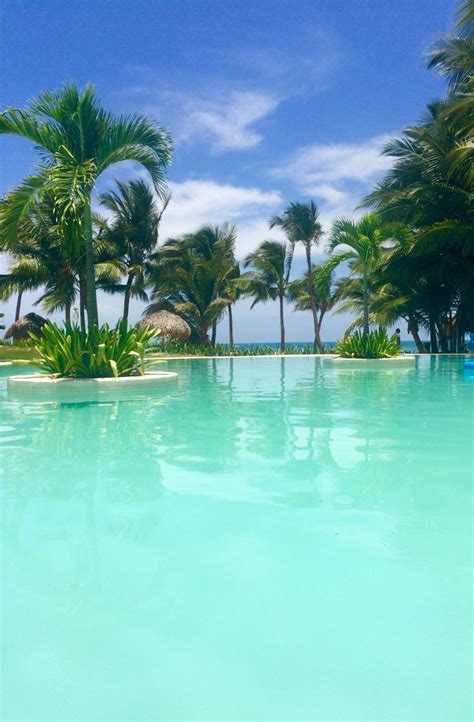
[(21, 352), (193, 277), (77, 140), (97, 353), (374, 344), (131, 236), (187, 349)]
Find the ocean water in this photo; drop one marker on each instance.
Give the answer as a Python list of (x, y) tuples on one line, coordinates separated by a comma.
[(265, 539), (407, 346)]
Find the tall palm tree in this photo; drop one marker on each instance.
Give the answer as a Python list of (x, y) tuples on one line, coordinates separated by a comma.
[(216, 244), (267, 279), (78, 140), (360, 243), (431, 188), (300, 223), (324, 290), (453, 55), (38, 260), (133, 233), (191, 277), (232, 292)]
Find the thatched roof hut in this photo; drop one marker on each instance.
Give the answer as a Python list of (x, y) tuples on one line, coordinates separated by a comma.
[(18, 331), (171, 326)]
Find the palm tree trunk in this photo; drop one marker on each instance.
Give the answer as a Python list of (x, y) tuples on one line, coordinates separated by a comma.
[(320, 323), (231, 327), (91, 293), (433, 337), (82, 314), (214, 333), (366, 301), (282, 323), (416, 336), (67, 313), (82, 300), (443, 342), (458, 330), (126, 300), (18, 304), (312, 298)]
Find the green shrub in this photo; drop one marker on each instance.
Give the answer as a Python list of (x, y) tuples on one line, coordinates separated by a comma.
[(375, 344), (189, 349), (98, 353)]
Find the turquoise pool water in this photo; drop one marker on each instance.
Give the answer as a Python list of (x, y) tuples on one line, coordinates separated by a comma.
[(267, 539)]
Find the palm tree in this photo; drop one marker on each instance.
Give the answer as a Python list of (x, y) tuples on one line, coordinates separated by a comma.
[(232, 292), (78, 140), (39, 260), (133, 232), (431, 189), (267, 279), (216, 244), (324, 291), (300, 223), (453, 55), (360, 243), (191, 278)]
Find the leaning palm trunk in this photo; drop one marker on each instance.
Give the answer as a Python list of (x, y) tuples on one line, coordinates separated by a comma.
[(67, 313), (320, 323), (18, 305), (433, 337), (312, 299), (214, 333), (231, 328), (416, 337), (282, 323), (91, 293)]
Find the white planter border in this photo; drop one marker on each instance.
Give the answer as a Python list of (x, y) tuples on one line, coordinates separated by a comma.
[(42, 382)]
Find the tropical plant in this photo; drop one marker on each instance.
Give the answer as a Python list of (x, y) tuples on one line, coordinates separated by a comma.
[(77, 141), (453, 55), (266, 281), (191, 278), (324, 293), (232, 291), (183, 348), (430, 188), (300, 224), (361, 244), (96, 353), (374, 344), (38, 259), (133, 233)]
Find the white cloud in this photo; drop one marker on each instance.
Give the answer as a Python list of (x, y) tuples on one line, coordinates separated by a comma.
[(317, 166), (336, 175), (228, 124), (221, 118), (195, 202)]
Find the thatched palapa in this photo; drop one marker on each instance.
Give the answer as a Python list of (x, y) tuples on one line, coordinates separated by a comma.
[(171, 326), (19, 331)]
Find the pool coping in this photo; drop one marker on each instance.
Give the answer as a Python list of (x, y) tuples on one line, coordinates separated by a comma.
[(42, 382)]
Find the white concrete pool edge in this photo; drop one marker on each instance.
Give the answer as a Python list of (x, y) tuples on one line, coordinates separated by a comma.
[(39, 382)]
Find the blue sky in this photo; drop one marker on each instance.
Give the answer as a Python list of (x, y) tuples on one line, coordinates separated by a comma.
[(268, 102)]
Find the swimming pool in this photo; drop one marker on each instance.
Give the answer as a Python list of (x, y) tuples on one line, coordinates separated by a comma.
[(269, 539)]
